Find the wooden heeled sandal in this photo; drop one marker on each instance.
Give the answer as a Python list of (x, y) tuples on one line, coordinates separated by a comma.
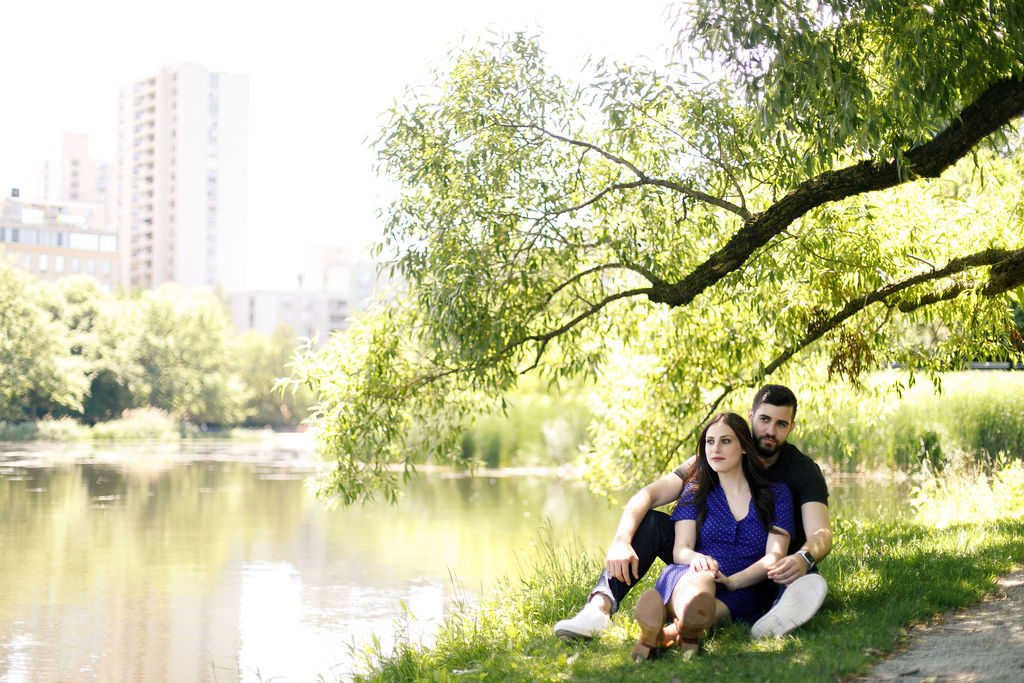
[(698, 615), (649, 614)]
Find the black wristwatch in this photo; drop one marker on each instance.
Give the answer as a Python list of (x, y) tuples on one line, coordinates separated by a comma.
[(808, 558)]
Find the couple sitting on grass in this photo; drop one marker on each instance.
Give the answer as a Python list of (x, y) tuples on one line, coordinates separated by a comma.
[(750, 523)]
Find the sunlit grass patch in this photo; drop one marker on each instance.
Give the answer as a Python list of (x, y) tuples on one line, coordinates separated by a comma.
[(967, 493), (883, 577)]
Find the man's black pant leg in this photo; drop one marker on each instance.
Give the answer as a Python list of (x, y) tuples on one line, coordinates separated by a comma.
[(654, 538)]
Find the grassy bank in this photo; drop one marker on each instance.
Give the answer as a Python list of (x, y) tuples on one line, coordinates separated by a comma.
[(143, 424), (883, 577)]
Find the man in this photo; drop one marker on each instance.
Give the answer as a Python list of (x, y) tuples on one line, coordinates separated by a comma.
[(644, 533)]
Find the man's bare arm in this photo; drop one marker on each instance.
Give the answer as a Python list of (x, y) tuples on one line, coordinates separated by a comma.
[(818, 529), (622, 561)]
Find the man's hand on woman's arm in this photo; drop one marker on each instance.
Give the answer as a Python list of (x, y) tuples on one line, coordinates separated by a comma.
[(819, 544)]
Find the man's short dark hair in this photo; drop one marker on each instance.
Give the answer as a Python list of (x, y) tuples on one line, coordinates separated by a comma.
[(776, 395)]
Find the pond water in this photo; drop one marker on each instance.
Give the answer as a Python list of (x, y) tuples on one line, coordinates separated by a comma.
[(212, 562)]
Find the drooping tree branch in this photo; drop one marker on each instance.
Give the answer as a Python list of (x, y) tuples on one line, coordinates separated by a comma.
[(995, 107), (989, 257), (643, 178), (1007, 271), (1002, 102)]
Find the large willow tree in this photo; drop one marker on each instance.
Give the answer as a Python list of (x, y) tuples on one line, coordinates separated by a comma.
[(820, 182)]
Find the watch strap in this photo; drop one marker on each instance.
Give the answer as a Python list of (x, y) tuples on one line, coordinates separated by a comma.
[(807, 557)]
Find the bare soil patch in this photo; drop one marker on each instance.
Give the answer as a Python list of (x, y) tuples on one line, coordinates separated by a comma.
[(984, 642)]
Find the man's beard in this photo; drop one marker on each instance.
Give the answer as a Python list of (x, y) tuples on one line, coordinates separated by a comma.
[(767, 451)]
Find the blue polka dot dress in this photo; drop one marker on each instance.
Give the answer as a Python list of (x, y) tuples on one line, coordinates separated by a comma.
[(735, 544)]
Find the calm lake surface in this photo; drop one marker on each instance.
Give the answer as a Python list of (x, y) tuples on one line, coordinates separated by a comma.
[(212, 562)]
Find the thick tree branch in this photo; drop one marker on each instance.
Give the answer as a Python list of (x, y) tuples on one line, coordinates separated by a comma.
[(1006, 275), (994, 108), (1002, 102)]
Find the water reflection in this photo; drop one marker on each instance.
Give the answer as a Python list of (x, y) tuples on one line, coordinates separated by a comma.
[(869, 497), (200, 562), (224, 568)]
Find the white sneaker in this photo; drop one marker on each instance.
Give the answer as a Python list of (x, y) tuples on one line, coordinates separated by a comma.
[(588, 623), (799, 602)]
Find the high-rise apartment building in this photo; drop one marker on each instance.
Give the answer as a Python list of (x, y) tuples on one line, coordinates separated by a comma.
[(82, 178), (181, 178)]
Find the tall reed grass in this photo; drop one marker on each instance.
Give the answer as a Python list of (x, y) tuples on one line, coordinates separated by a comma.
[(149, 424), (979, 415)]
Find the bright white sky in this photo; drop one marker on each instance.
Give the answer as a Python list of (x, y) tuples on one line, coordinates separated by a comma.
[(321, 71)]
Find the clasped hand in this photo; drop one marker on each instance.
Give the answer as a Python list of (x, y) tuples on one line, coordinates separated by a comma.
[(724, 580), (787, 570), (622, 563), (703, 563)]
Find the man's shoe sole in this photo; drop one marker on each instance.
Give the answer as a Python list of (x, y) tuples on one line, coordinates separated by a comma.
[(571, 636), (800, 601)]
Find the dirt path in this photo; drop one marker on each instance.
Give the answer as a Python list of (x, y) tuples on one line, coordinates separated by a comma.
[(982, 643)]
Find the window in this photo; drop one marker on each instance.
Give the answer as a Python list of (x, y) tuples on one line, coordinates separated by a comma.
[(76, 265), (90, 265), (44, 262), (84, 241), (58, 264)]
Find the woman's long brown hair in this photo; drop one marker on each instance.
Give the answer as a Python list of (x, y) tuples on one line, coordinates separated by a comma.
[(705, 479)]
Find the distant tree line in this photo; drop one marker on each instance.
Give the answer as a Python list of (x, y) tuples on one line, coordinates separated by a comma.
[(70, 349)]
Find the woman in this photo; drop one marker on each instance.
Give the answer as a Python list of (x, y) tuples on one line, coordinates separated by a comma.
[(731, 525)]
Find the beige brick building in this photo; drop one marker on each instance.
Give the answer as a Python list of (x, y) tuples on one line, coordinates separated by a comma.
[(51, 239)]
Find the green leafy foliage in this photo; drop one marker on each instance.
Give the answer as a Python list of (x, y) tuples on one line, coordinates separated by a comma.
[(36, 373), (260, 361), (848, 178), (183, 351), (70, 349), (871, 77)]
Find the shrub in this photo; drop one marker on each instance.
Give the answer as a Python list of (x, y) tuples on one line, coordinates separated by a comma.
[(143, 423)]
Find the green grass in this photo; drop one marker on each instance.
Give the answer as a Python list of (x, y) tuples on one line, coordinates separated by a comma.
[(883, 577)]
